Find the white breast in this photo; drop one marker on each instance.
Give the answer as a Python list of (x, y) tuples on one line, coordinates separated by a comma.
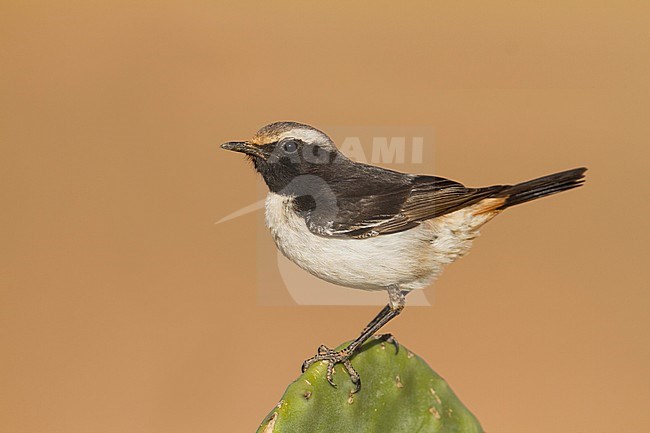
[(410, 259)]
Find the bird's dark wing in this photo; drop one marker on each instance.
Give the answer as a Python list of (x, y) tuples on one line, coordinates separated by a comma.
[(431, 197), (390, 208)]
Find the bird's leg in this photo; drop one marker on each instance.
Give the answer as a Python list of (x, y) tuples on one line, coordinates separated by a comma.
[(397, 300), (384, 337)]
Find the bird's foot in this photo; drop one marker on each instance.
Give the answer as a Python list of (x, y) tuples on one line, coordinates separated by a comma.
[(390, 339), (333, 357)]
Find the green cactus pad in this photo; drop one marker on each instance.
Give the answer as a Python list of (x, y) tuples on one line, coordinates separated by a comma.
[(399, 393)]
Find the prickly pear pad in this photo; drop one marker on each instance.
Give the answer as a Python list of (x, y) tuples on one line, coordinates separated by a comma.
[(399, 393)]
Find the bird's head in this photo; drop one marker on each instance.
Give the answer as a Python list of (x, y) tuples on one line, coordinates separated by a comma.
[(283, 151)]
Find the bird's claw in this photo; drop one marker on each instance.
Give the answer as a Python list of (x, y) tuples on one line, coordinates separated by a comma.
[(333, 357), (388, 338)]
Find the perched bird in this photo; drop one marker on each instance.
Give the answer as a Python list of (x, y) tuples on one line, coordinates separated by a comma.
[(367, 227)]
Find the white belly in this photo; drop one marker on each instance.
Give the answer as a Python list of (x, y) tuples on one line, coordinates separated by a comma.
[(410, 259)]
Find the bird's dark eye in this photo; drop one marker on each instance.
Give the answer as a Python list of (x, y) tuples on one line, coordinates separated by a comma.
[(290, 146)]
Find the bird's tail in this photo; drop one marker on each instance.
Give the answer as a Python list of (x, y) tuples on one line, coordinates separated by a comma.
[(543, 186)]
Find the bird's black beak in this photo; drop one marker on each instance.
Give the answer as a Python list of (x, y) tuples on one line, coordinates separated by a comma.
[(245, 147)]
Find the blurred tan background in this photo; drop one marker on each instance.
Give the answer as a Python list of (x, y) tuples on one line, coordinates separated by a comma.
[(123, 308)]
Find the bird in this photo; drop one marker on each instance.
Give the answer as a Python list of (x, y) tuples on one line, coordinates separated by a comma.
[(366, 227)]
